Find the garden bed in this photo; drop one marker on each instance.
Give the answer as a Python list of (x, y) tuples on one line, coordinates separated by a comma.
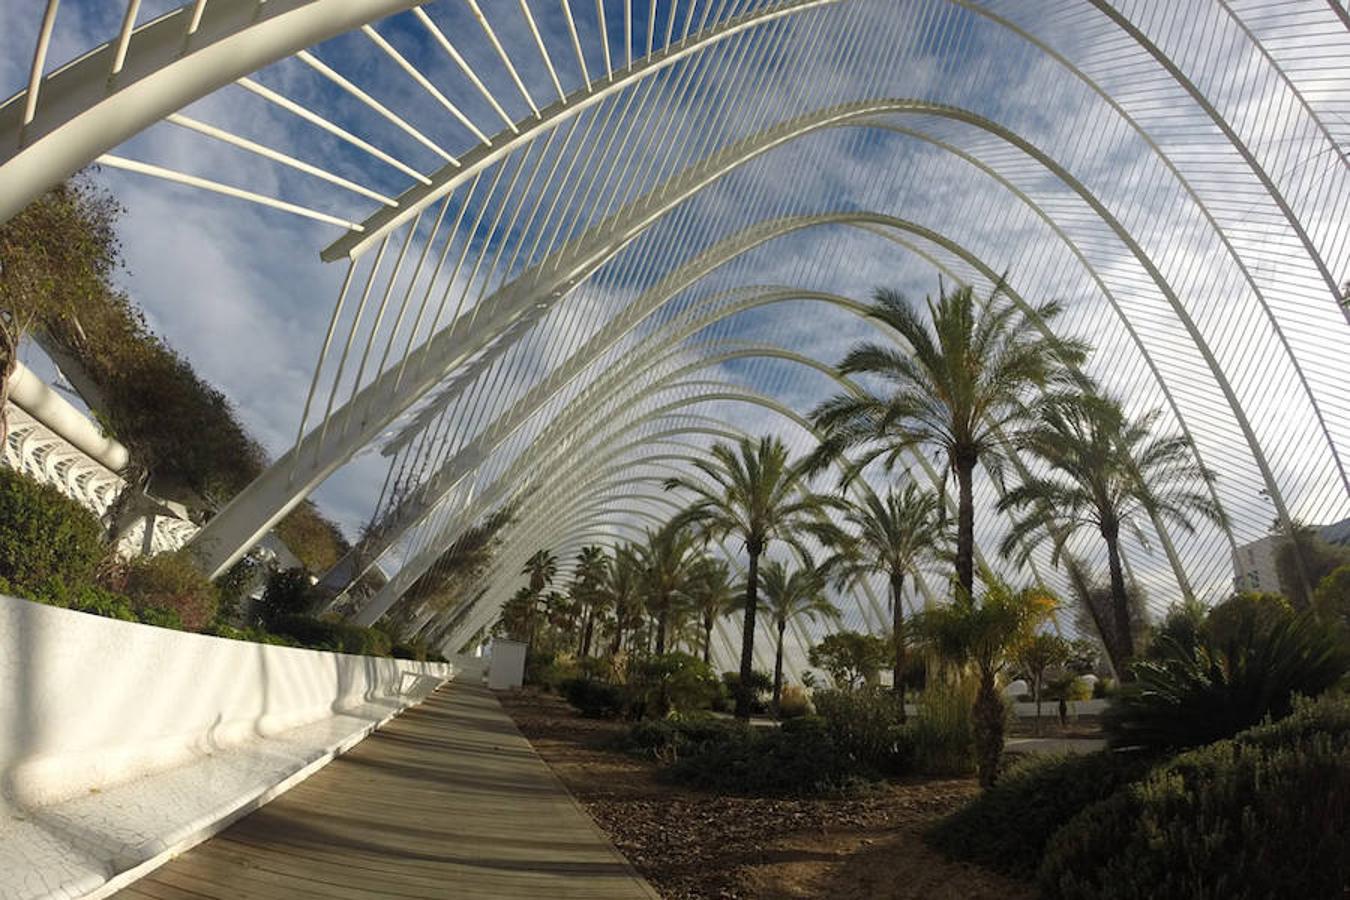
[(692, 844)]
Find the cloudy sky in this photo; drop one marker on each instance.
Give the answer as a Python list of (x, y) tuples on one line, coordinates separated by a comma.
[(1117, 195)]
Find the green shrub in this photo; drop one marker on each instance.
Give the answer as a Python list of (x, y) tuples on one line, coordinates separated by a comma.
[(336, 636), (670, 684), (1263, 815), (794, 703), (252, 635), (1229, 678), (671, 739), (799, 761), (97, 601), (289, 594), (415, 650), (594, 699), (761, 687), (540, 668), (943, 734), (1007, 827), (171, 582), (867, 725), (44, 536)]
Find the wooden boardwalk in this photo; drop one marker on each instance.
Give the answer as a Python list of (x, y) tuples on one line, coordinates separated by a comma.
[(447, 800)]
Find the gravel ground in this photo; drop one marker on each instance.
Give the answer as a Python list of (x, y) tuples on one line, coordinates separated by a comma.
[(692, 844)]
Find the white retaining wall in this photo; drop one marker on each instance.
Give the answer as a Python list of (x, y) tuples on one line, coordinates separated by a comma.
[(102, 721)]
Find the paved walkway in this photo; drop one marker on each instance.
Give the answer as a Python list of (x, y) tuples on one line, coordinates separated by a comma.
[(447, 800)]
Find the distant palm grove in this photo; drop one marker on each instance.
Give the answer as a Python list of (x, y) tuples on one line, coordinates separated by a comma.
[(762, 539)]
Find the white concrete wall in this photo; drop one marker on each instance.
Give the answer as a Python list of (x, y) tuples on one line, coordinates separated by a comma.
[(87, 702)]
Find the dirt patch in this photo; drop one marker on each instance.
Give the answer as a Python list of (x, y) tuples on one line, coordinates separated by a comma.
[(691, 844)]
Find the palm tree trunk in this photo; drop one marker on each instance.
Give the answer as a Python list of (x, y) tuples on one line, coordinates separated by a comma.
[(964, 463), (778, 668), (588, 633), (707, 640), (1120, 602), (661, 632), (988, 727), (748, 633), (617, 643), (898, 632)]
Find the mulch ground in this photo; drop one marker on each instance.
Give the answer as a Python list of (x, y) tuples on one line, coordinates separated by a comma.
[(691, 844)]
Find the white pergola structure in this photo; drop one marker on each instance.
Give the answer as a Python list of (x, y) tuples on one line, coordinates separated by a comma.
[(582, 241)]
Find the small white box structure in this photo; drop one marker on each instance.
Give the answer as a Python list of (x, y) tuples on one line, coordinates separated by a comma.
[(506, 668)]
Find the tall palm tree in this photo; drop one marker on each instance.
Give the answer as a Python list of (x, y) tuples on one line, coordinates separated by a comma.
[(756, 495), (711, 597), (541, 568), (894, 535), (1104, 471), (622, 589), (591, 568), (667, 560), (985, 634), (960, 387), (791, 595)]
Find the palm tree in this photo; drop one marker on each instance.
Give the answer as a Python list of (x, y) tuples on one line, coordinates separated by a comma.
[(541, 568), (711, 596), (756, 495), (985, 634), (667, 560), (1104, 471), (591, 567), (789, 596), (622, 589), (961, 387), (895, 535)]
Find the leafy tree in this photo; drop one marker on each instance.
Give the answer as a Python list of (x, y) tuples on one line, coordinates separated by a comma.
[(894, 535), (798, 594), (1106, 472), (960, 387), (711, 596), (288, 593), (850, 659), (667, 561), (986, 633), (757, 496), (1303, 559), (1039, 653), (1331, 600)]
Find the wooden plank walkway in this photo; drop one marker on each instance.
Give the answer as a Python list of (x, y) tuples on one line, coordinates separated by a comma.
[(447, 800)]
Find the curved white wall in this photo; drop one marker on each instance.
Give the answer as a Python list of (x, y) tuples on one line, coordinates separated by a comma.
[(88, 702)]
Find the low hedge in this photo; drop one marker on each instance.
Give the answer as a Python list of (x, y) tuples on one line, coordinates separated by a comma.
[(594, 699), (1008, 826), (799, 759), (868, 725), (671, 739), (1261, 815)]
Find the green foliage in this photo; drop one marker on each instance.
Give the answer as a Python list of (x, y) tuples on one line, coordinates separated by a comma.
[(868, 727), (44, 536), (288, 594), (798, 759), (943, 733), (252, 635), (336, 636), (1246, 662), (1331, 600), (668, 740), (1303, 559), (415, 650), (761, 683), (670, 684), (594, 699), (1262, 815), (851, 659), (1007, 827), (172, 583)]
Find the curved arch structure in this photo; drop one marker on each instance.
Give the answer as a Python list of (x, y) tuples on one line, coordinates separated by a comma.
[(626, 234)]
